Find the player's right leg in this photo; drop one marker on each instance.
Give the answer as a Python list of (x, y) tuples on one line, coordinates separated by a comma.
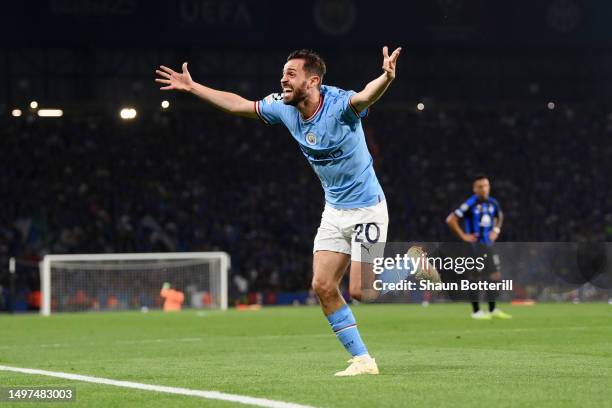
[(477, 313), (329, 267), (330, 262), (474, 295)]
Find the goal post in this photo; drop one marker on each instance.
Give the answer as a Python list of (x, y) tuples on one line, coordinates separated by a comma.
[(84, 282)]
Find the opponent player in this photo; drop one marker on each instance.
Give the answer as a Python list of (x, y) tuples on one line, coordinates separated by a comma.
[(483, 221), (326, 123)]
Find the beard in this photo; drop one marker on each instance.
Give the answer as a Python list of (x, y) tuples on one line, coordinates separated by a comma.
[(296, 96)]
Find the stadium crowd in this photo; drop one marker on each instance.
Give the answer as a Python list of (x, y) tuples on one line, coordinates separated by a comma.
[(203, 180)]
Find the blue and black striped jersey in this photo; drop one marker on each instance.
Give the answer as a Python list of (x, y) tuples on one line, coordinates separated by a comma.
[(479, 216)]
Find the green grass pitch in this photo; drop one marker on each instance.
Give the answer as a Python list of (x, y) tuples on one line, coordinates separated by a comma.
[(549, 355)]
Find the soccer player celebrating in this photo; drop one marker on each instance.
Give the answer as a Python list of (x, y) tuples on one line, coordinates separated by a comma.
[(325, 121), (483, 221)]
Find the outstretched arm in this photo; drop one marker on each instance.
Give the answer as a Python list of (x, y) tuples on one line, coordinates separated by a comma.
[(226, 101), (375, 89)]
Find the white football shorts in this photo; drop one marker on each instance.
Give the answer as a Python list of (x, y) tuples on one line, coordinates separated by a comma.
[(359, 232)]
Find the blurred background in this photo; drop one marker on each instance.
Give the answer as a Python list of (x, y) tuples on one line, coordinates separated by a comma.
[(518, 90)]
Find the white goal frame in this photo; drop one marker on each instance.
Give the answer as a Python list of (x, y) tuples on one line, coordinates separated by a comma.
[(45, 268)]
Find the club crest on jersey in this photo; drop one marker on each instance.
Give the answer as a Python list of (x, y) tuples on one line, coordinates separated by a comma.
[(485, 220), (311, 138)]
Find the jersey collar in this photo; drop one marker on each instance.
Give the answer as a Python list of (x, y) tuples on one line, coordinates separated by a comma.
[(315, 112)]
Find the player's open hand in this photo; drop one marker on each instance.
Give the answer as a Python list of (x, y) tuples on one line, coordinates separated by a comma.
[(469, 238), (389, 62), (181, 81)]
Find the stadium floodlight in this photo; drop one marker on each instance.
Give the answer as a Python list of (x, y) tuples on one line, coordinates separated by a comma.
[(33, 104), (165, 104), (16, 112), (104, 282), (420, 106), (550, 105), (50, 113), (127, 113)]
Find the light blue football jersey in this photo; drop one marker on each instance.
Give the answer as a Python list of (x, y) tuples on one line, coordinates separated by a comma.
[(333, 141)]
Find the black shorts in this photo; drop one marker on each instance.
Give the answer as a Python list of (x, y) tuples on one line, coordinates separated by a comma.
[(492, 262)]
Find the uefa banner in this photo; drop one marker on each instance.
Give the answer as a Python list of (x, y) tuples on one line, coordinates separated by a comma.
[(319, 23), (508, 271)]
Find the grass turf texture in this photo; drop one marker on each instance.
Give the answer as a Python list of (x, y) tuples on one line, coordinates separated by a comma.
[(549, 355)]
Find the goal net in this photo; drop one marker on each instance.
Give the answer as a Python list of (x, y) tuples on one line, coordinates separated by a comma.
[(90, 282)]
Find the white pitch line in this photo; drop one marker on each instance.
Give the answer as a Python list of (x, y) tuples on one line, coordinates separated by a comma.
[(215, 395)]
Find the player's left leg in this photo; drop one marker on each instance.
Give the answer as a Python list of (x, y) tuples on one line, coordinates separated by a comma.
[(495, 276), (492, 297), (367, 228), (361, 282)]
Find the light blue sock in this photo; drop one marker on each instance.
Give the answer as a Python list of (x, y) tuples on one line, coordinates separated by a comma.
[(344, 325), (395, 275)]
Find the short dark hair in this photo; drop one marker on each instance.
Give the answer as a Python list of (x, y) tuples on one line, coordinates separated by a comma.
[(313, 63), (479, 176)]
